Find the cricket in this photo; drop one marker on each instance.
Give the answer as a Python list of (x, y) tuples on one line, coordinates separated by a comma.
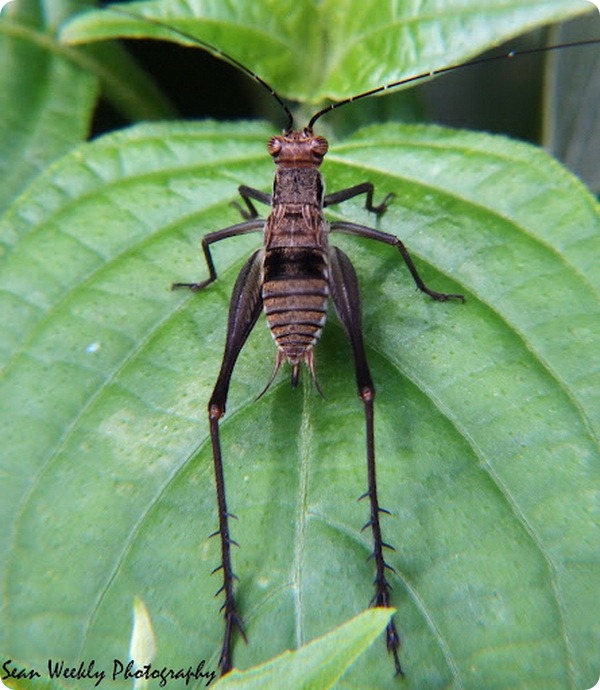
[(292, 278)]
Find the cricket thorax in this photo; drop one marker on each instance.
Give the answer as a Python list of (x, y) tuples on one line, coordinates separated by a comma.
[(298, 186)]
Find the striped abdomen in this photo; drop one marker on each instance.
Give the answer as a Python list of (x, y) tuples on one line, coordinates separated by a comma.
[(295, 291)]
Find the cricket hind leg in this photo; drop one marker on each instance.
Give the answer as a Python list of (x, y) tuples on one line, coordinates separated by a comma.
[(247, 226), (346, 299), (245, 307), (386, 238), (366, 188)]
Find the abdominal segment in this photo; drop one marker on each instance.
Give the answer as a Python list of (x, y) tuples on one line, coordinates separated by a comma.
[(295, 291)]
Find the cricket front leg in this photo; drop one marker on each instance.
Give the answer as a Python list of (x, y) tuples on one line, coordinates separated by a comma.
[(386, 238), (244, 309), (346, 298), (366, 188), (254, 225), (247, 194)]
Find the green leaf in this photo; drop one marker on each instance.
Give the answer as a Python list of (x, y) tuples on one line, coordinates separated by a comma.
[(486, 415), (317, 665), (312, 51), (45, 100), (48, 91)]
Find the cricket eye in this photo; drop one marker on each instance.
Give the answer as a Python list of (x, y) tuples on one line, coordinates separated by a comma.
[(274, 145), (319, 146)]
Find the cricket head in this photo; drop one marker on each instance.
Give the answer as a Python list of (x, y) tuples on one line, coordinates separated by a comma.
[(298, 149)]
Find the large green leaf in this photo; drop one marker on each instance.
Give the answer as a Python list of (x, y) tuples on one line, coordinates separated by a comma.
[(487, 413), (310, 51)]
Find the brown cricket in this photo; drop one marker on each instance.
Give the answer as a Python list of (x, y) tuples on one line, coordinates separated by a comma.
[(291, 279)]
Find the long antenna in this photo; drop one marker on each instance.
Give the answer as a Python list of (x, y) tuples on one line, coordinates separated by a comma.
[(442, 70), (217, 52)]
